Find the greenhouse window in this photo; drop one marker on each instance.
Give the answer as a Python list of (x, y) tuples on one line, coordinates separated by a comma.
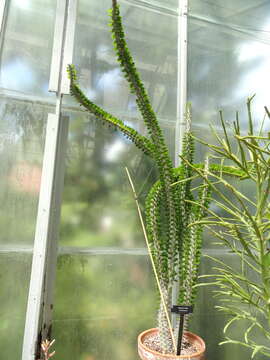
[(74, 262)]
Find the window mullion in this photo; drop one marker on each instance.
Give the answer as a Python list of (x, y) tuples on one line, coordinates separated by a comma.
[(43, 238), (181, 103), (51, 261), (181, 77), (40, 298), (3, 16), (3, 5)]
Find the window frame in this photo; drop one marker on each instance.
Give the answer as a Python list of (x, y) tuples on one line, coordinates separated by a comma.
[(40, 297)]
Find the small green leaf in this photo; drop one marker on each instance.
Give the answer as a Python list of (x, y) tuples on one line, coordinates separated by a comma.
[(255, 351), (266, 259)]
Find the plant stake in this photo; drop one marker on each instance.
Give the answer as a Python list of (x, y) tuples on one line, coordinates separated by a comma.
[(182, 311), (151, 257)]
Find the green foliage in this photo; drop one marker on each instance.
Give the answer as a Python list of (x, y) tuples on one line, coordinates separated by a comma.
[(170, 206), (139, 140), (241, 225)]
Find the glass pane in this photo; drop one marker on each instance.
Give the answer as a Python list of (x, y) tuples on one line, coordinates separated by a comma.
[(15, 269), (228, 57), (225, 67), (160, 5), (103, 303), (98, 208), (27, 47), (22, 132), (24, 73), (252, 15), (152, 39)]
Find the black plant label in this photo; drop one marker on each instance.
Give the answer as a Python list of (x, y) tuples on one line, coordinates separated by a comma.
[(182, 309)]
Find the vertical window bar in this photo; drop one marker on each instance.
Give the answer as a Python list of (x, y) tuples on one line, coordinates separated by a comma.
[(3, 7), (181, 77), (59, 33), (181, 104), (40, 298), (3, 16), (3, 10), (51, 262), (69, 44), (46, 225)]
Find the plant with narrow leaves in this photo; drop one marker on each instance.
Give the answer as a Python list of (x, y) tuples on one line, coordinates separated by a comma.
[(244, 290), (175, 245), (45, 348)]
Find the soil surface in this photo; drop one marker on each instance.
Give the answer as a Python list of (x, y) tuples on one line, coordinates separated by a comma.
[(152, 342)]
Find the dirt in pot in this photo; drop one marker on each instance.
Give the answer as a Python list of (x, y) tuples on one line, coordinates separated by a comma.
[(152, 342)]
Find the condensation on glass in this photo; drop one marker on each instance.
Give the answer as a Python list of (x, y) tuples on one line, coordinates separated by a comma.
[(104, 300), (27, 47), (24, 72), (227, 61)]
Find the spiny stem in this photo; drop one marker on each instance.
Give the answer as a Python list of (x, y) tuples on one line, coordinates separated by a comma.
[(151, 258)]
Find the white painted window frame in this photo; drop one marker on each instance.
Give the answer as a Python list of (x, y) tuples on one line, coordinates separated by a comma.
[(180, 125), (3, 16), (3, 6), (181, 77), (40, 298)]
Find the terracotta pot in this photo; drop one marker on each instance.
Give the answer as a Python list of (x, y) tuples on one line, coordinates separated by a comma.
[(147, 354)]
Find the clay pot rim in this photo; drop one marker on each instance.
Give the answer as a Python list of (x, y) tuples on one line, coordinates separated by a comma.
[(141, 335)]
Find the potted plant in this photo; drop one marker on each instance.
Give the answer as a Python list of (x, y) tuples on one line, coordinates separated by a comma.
[(174, 238), (241, 224)]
